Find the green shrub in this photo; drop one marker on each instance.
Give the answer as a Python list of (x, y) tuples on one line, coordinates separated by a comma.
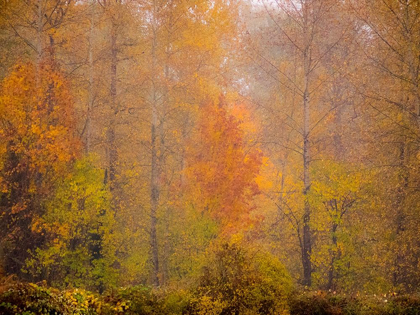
[(317, 304), (404, 305), (140, 300), (241, 280), (237, 280), (31, 299), (321, 303), (176, 302), (134, 300)]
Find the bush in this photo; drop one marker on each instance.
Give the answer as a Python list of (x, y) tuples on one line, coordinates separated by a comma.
[(135, 300), (321, 303), (404, 305), (318, 304), (31, 299), (140, 300), (241, 280), (237, 280)]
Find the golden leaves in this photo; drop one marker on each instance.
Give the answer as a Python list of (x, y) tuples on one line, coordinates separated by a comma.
[(36, 116), (222, 171)]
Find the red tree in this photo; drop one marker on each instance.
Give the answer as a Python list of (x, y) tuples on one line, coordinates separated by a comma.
[(221, 168)]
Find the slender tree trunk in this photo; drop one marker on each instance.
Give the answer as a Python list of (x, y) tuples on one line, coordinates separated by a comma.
[(88, 130), (112, 149), (307, 241), (154, 200), (398, 275), (161, 132), (154, 176), (338, 126), (39, 45), (331, 270)]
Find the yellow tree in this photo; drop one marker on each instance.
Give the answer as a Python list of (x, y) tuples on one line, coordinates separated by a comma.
[(38, 143), (297, 63), (392, 104)]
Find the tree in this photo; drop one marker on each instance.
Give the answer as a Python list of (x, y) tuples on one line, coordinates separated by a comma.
[(38, 145), (184, 55), (222, 170), (336, 192), (79, 250), (301, 83), (392, 104)]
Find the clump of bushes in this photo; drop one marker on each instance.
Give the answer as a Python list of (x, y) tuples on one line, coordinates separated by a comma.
[(134, 300), (36, 299), (241, 280), (236, 280), (322, 303), (318, 303), (32, 299), (145, 301)]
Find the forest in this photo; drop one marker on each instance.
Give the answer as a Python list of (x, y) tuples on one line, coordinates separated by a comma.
[(210, 157)]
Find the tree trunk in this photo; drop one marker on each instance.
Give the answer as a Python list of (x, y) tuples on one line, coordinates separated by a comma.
[(154, 202), (154, 175), (331, 270), (112, 149), (307, 241), (88, 128), (399, 274), (39, 45)]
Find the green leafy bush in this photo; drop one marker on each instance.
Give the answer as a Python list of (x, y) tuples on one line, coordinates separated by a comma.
[(140, 300), (31, 299), (236, 281), (134, 300), (321, 303), (317, 304), (78, 224), (241, 280)]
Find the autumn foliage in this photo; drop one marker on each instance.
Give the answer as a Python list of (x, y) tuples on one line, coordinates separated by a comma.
[(37, 145), (37, 123), (221, 169), (121, 167)]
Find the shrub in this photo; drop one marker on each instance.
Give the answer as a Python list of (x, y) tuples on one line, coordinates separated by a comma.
[(241, 280), (317, 304), (134, 300), (32, 299), (141, 300), (321, 303)]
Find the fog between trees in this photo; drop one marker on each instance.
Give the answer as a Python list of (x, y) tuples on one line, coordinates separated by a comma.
[(137, 136)]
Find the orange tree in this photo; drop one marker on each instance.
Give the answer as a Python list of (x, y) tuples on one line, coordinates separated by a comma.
[(37, 145), (222, 168)]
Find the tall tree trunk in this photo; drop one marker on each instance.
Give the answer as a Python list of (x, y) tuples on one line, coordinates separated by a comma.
[(154, 200), (112, 149), (39, 45), (88, 128), (154, 175), (307, 241), (399, 274)]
